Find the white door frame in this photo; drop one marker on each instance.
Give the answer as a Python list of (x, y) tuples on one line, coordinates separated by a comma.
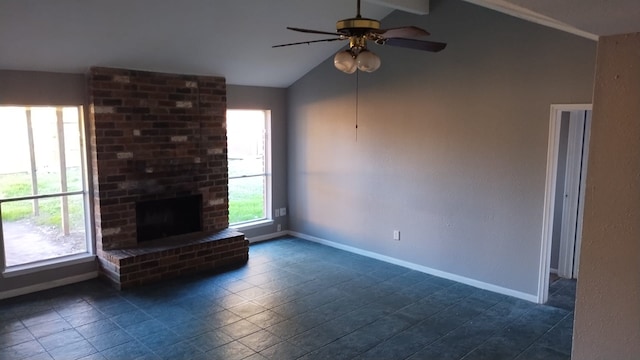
[(572, 194), (583, 184), (550, 192)]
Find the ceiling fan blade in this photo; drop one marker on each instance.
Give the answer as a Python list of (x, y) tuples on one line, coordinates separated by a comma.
[(416, 44), (403, 32), (306, 42), (314, 31)]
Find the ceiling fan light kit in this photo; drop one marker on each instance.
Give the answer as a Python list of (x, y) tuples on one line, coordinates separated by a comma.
[(357, 56), (358, 30), (345, 62), (367, 61), (348, 61)]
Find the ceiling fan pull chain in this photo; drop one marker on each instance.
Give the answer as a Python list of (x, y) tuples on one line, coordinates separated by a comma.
[(357, 97)]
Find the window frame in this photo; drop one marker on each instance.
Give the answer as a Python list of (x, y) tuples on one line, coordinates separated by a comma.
[(268, 188), (65, 260)]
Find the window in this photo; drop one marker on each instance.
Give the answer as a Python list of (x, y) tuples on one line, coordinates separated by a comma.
[(43, 197), (249, 165)]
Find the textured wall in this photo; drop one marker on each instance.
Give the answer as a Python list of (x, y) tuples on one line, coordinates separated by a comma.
[(607, 324), (451, 147)]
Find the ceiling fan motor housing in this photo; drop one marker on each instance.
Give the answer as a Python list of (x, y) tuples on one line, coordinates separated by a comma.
[(357, 29), (357, 26)]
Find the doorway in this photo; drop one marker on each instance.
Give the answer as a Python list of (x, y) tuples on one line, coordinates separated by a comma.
[(569, 131)]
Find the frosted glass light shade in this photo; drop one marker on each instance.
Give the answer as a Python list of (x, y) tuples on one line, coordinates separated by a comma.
[(345, 62), (368, 61)]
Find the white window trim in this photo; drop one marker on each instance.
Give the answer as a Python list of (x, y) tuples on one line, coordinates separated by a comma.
[(252, 224), (66, 260), (268, 208), (49, 264)]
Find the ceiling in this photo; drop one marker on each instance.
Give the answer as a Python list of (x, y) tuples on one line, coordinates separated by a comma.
[(233, 38)]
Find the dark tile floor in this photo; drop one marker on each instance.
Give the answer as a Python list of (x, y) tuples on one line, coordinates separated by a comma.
[(562, 294), (294, 299)]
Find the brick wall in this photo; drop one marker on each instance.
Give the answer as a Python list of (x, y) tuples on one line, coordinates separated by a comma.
[(166, 259), (155, 136)]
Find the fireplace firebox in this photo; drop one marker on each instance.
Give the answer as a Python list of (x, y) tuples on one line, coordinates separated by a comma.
[(158, 219)]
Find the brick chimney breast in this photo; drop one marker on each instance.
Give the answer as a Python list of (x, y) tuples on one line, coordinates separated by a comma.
[(155, 136)]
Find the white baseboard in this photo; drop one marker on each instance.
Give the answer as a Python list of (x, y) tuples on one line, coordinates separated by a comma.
[(553, 271), (266, 237), (424, 269), (48, 285), (256, 239)]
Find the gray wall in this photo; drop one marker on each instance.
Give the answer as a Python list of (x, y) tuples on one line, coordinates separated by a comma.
[(451, 147), (40, 88), (607, 317), (274, 99), (31, 87)]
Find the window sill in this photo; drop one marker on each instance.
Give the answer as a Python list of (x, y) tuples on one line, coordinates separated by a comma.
[(30, 268), (252, 225)]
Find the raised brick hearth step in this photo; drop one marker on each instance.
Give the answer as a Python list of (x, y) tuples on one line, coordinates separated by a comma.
[(168, 258)]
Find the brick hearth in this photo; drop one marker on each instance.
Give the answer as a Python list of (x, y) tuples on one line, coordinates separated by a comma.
[(168, 258), (159, 136)]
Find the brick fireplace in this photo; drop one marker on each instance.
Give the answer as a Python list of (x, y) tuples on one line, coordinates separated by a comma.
[(158, 137)]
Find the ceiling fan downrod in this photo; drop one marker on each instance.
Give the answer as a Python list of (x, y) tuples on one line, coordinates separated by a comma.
[(357, 25)]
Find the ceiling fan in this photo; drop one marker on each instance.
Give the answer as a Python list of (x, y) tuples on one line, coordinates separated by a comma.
[(358, 30)]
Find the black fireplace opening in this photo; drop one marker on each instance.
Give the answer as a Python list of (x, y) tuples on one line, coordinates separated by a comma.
[(157, 219)]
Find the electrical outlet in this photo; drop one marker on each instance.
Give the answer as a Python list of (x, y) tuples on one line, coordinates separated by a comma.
[(396, 235), (279, 227), (277, 212), (283, 211)]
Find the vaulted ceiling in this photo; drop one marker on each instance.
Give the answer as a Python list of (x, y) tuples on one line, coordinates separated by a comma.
[(233, 38)]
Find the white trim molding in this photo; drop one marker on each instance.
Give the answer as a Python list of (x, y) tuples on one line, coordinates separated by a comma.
[(252, 225), (424, 269), (49, 264), (256, 239), (550, 194), (548, 207), (418, 7), (48, 285), (523, 13)]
